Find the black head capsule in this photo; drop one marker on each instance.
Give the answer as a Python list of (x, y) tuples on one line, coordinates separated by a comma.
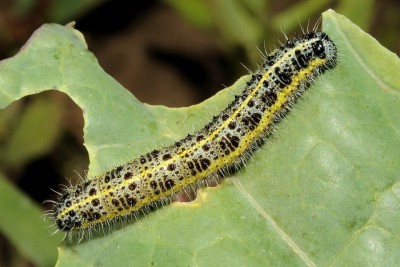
[(324, 48), (318, 49)]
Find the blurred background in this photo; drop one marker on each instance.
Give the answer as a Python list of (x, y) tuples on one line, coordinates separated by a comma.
[(168, 52)]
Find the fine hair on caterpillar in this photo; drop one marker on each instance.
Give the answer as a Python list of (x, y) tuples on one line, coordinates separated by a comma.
[(221, 147)]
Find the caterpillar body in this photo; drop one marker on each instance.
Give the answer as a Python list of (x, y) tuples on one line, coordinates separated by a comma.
[(223, 144)]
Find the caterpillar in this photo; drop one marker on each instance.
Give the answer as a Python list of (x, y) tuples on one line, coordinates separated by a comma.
[(220, 147)]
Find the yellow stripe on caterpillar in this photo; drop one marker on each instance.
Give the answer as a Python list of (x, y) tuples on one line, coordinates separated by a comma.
[(226, 142)]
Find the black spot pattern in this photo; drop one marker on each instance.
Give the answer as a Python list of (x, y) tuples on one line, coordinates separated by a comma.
[(228, 139)]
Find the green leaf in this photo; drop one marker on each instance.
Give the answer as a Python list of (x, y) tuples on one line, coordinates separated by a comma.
[(194, 11), (290, 19), (22, 223), (360, 11), (66, 10), (236, 23), (323, 191), (24, 144)]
